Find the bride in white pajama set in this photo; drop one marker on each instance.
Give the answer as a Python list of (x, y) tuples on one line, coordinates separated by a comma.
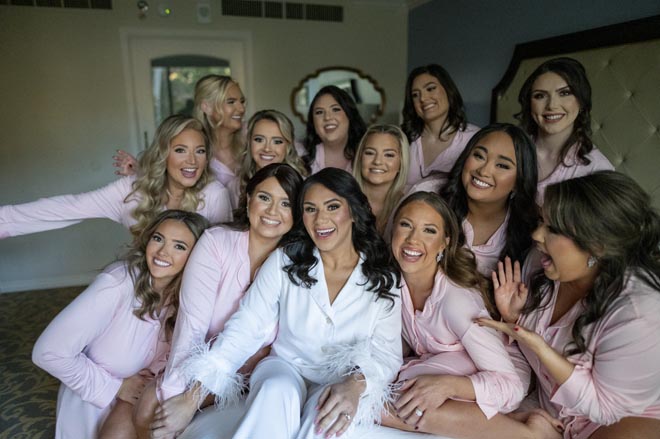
[(332, 291)]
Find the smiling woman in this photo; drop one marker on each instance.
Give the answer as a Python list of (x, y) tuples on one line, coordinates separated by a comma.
[(174, 174), (331, 292), (555, 103), (113, 338)]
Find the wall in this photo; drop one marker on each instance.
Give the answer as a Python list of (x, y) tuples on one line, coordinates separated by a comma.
[(474, 39), (65, 107)]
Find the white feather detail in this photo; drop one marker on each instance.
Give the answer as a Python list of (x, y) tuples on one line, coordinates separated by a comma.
[(206, 367), (364, 357)]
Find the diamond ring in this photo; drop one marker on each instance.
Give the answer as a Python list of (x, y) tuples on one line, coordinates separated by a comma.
[(347, 416), (419, 412)]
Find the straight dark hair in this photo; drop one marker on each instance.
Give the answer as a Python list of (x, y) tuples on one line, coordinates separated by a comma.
[(523, 212), (413, 125), (576, 77), (356, 125)]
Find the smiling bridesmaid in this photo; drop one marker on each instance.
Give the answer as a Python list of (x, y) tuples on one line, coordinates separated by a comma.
[(555, 103), (434, 121)]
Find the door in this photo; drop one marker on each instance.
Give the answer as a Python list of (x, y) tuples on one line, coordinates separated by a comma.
[(142, 47)]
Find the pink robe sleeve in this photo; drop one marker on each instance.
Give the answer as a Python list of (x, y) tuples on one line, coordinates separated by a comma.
[(497, 386), (199, 287), (59, 349), (66, 210), (624, 379), (217, 206)]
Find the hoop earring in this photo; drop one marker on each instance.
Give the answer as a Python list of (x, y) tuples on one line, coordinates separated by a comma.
[(591, 261)]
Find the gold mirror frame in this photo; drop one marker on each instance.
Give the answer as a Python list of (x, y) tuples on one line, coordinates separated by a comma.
[(344, 83)]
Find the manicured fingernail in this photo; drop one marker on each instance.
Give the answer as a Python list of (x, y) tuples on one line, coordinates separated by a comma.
[(416, 427), (515, 328)]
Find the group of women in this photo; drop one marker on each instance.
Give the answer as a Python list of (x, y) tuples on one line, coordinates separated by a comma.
[(439, 278)]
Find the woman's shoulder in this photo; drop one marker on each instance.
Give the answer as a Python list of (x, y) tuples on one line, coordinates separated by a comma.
[(638, 300), (224, 237)]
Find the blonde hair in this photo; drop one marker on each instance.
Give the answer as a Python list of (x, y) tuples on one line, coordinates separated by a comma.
[(212, 89), (138, 269), (150, 187), (395, 192), (248, 166)]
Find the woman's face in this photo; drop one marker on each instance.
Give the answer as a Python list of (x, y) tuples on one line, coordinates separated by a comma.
[(186, 159), (327, 219), (233, 108), (330, 120), (489, 173), (167, 252), (429, 98), (417, 239), (267, 144), (380, 159), (269, 210), (562, 259), (553, 105)]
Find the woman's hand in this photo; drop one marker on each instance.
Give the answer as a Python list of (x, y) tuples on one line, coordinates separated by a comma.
[(132, 387), (338, 405), (422, 393), (126, 163), (510, 292), (558, 366), (174, 415)]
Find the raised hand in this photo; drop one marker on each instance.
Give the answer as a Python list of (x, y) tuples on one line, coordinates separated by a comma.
[(126, 163), (510, 291)]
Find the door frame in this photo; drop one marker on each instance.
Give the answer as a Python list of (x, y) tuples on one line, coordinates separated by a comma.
[(128, 35)]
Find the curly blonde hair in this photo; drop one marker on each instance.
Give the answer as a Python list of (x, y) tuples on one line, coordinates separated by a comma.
[(248, 165), (139, 270), (150, 186), (212, 89), (395, 192)]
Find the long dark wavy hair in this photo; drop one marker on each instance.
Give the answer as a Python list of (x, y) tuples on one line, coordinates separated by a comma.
[(458, 262), (286, 176), (356, 125), (576, 77), (378, 265), (609, 216), (521, 205), (138, 269), (413, 125)]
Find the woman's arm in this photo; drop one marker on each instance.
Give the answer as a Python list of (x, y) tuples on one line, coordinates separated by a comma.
[(65, 210), (214, 367), (59, 349), (199, 292)]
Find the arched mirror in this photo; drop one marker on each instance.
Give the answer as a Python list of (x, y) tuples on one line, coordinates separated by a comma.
[(368, 95)]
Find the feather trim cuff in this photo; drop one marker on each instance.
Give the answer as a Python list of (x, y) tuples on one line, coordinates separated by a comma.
[(366, 358), (215, 376)]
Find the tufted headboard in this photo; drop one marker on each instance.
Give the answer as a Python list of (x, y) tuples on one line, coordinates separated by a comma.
[(623, 66)]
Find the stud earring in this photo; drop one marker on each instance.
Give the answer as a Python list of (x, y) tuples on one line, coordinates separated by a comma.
[(591, 261), (439, 257)]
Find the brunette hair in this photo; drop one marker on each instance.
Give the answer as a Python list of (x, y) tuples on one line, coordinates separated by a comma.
[(356, 125), (288, 178), (377, 262), (523, 212), (136, 260), (458, 262), (576, 77), (413, 125), (608, 215)]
